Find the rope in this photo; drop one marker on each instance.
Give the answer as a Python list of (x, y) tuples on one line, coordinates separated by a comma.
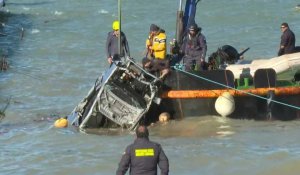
[(248, 93)]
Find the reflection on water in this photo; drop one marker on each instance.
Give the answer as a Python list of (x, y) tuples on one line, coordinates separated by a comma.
[(193, 127), (196, 127), (108, 131)]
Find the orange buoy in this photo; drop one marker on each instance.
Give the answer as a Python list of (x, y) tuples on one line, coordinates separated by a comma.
[(61, 123)]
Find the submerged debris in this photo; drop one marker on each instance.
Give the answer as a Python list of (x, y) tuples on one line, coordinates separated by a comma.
[(2, 111), (3, 64), (121, 97)]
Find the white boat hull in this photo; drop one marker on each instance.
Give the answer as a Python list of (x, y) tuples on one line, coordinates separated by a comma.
[(280, 64)]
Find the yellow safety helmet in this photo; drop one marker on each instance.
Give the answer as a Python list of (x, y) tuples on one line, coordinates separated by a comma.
[(116, 25)]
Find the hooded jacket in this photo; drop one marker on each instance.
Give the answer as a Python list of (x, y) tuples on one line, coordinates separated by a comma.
[(195, 46), (158, 43)]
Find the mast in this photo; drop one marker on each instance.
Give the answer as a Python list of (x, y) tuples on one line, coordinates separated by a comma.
[(179, 23), (190, 13)]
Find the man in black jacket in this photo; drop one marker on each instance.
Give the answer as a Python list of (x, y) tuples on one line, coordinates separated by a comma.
[(143, 156), (287, 43), (194, 49), (112, 46)]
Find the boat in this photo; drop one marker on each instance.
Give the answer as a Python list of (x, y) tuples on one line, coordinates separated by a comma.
[(242, 90), (280, 65), (126, 94)]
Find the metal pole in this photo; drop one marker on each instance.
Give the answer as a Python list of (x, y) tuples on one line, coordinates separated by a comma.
[(179, 24), (120, 29), (180, 5)]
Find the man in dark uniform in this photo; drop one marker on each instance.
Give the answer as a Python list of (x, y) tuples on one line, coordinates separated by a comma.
[(143, 156), (112, 46), (287, 44), (194, 49)]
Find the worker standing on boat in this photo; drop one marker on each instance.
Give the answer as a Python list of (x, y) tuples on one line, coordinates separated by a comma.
[(287, 43), (156, 42), (194, 49), (143, 156), (112, 47), (155, 59)]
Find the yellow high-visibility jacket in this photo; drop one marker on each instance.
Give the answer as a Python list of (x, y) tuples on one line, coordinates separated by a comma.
[(158, 44)]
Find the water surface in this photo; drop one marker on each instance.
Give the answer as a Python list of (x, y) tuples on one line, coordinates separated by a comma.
[(61, 54)]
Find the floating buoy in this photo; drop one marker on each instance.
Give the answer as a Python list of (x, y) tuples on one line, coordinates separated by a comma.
[(164, 117), (225, 104), (61, 123)]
